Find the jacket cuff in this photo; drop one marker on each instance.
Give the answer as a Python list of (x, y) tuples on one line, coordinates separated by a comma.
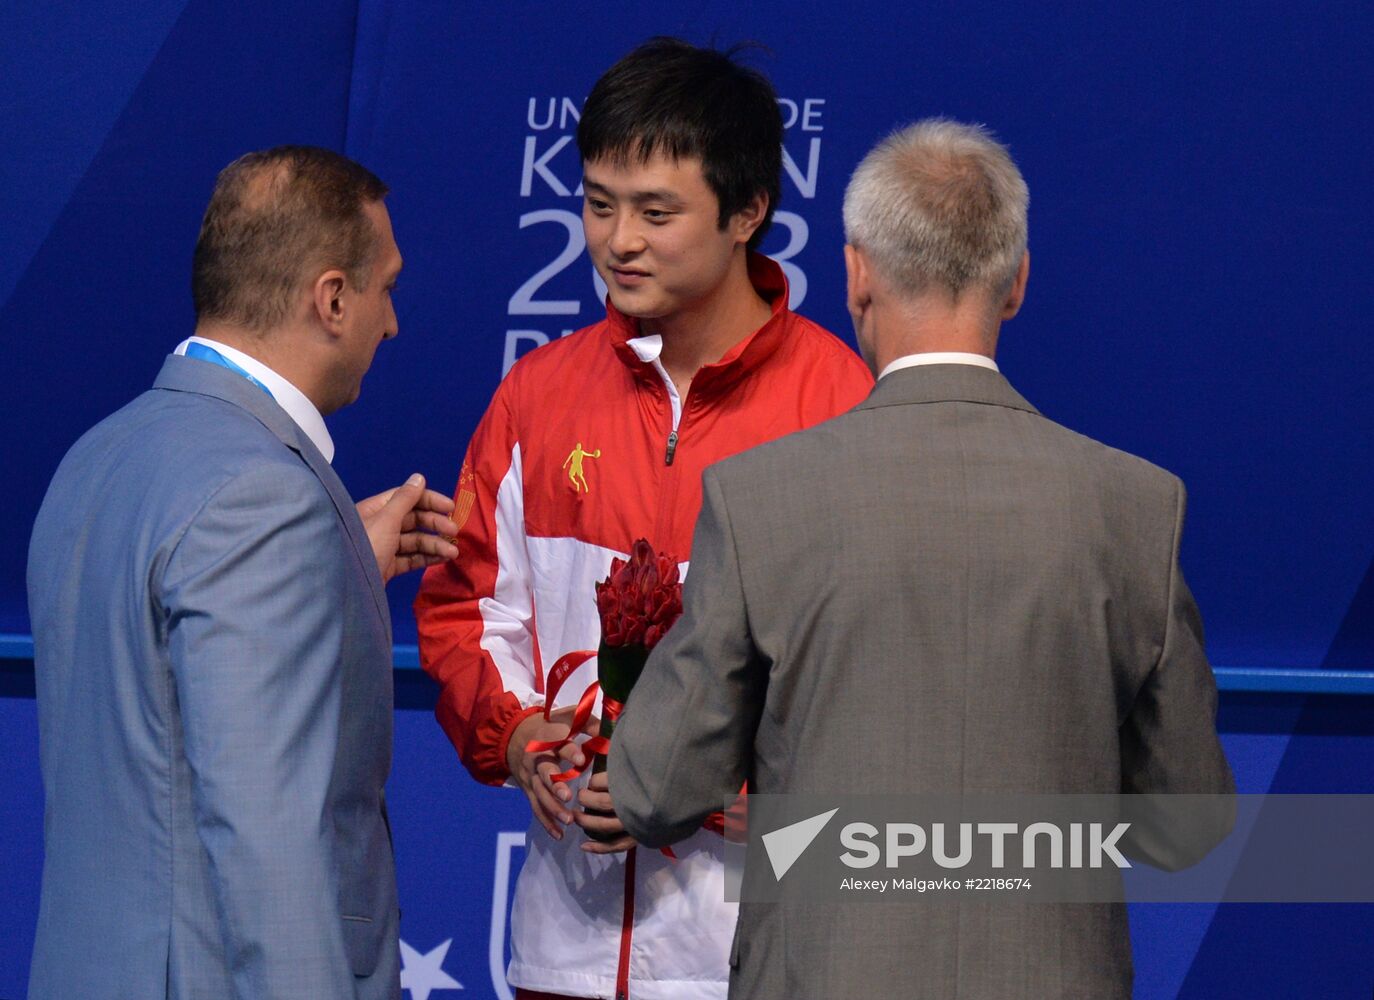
[(503, 744), (481, 733)]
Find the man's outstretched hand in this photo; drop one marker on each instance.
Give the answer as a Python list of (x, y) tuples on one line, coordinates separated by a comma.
[(408, 527)]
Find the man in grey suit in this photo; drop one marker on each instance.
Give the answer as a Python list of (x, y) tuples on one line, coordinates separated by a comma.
[(212, 643), (941, 591)]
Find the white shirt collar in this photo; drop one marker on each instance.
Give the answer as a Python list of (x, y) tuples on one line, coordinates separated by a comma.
[(649, 349), (940, 358), (296, 404)]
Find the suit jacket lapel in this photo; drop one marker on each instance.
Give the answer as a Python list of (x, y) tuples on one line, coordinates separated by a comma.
[(181, 374), (945, 384)]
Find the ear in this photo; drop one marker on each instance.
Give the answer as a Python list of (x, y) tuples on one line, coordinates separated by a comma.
[(747, 220), (859, 282), (1017, 294), (328, 296)]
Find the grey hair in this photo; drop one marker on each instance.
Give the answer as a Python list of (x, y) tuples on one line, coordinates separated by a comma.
[(939, 204)]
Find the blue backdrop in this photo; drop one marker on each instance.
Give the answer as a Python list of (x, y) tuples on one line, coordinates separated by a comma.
[(1201, 235)]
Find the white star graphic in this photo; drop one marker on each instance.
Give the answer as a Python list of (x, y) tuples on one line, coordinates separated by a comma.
[(422, 973)]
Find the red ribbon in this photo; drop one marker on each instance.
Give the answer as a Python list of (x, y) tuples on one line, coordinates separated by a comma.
[(562, 670), (731, 824)]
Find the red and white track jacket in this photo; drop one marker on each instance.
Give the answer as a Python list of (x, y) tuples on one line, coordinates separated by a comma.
[(576, 457)]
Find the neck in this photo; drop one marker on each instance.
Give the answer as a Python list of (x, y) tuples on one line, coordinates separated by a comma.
[(930, 324), (282, 349), (702, 333)]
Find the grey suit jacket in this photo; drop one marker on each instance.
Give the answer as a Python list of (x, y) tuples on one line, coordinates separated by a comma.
[(213, 657), (938, 591)]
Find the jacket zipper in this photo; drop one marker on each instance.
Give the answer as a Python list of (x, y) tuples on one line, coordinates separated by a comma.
[(627, 920), (627, 926)]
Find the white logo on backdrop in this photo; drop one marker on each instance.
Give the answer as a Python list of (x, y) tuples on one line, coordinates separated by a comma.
[(422, 974), (551, 173), (507, 843)]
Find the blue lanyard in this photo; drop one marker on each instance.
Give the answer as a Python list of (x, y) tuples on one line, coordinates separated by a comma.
[(203, 353)]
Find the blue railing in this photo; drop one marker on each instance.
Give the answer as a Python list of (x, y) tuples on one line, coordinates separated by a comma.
[(1270, 679)]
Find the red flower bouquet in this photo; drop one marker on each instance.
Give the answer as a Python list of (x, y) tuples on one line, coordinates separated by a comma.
[(638, 603)]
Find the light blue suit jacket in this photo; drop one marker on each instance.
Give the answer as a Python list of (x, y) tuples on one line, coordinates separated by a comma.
[(213, 657)]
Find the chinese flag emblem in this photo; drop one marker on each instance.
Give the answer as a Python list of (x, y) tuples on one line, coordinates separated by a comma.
[(462, 503)]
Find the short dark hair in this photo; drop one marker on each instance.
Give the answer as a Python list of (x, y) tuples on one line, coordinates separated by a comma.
[(670, 97), (274, 217)]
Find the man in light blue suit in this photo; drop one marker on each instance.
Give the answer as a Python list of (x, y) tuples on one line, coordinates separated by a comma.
[(211, 638)]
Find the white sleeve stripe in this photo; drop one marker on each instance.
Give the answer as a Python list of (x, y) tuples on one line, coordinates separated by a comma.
[(508, 614)]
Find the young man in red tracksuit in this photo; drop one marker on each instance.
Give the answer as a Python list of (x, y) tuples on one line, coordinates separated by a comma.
[(600, 438)]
